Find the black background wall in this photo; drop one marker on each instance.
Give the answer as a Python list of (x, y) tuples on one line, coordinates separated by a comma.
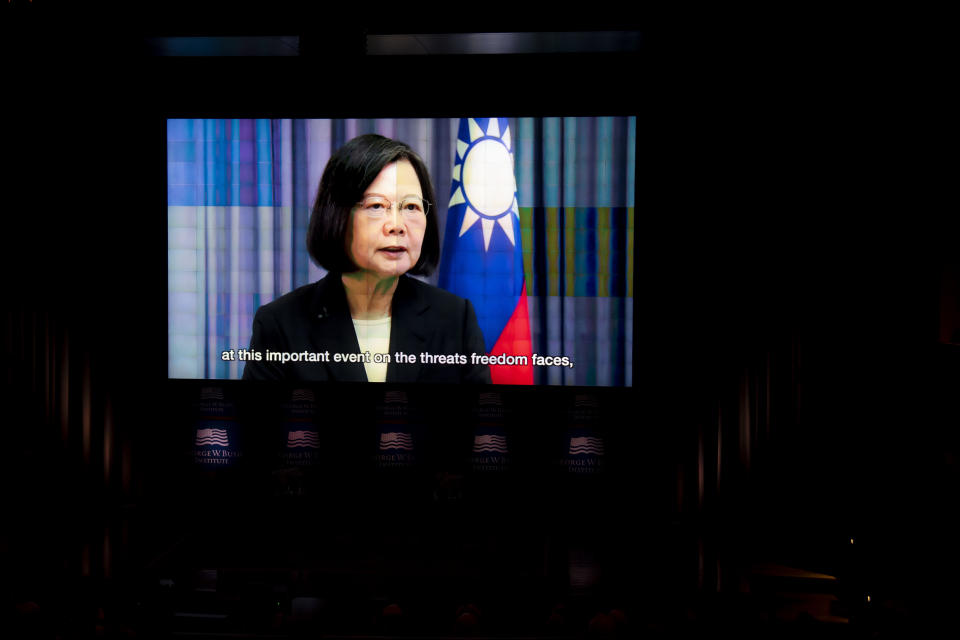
[(788, 242)]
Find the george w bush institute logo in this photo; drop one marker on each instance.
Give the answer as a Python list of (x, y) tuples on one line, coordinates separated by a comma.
[(213, 446), (395, 450), (302, 447), (302, 443), (215, 438), (584, 453), (490, 452), (395, 444)]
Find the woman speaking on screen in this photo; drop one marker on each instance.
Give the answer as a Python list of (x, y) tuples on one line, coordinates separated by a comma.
[(372, 224)]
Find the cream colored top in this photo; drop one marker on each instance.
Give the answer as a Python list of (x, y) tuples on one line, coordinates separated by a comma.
[(374, 336)]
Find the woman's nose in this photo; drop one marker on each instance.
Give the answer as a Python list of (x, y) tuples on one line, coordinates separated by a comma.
[(394, 222)]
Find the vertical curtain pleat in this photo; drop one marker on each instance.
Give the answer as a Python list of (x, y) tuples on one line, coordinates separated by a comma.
[(577, 207), (59, 398)]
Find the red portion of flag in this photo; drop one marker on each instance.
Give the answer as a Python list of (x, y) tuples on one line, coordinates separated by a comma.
[(514, 340)]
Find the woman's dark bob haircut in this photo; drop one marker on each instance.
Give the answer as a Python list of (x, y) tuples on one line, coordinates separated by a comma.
[(349, 172)]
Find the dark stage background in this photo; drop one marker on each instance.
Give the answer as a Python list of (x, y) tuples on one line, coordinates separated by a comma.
[(795, 382)]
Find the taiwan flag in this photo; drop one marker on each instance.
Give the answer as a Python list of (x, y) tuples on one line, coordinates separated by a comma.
[(483, 256)]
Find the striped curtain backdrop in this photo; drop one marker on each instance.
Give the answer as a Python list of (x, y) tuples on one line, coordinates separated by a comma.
[(239, 198)]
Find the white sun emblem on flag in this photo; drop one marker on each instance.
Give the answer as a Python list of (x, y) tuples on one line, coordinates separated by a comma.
[(484, 180)]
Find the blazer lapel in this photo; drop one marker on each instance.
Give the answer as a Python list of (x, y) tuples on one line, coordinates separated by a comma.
[(408, 334), (333, 331)]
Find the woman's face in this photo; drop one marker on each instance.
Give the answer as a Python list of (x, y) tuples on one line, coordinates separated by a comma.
[(382, 239)]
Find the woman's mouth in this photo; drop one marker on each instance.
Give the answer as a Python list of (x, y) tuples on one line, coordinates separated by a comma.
[(394, 249)]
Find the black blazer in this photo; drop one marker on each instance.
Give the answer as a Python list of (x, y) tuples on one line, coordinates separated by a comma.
[(316, 318)]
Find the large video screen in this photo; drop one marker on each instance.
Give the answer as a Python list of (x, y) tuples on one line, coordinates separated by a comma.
[(414, 250)]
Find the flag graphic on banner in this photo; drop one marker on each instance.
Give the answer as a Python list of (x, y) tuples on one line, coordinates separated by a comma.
[(586, 446), (489, 444), (483, 256), (396, 441), (215, 437), (302, 395), (303, 438)]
